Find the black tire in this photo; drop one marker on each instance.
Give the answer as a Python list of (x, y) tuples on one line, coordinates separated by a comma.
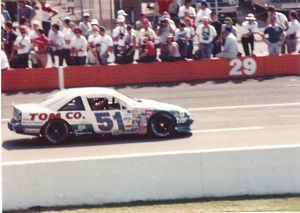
[(162, 125), (56, 131)]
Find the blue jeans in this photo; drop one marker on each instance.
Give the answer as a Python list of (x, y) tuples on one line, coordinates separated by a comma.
[(274, 48), (206, 49)]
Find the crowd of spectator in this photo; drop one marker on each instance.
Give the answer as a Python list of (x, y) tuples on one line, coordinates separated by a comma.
[(171, 39)]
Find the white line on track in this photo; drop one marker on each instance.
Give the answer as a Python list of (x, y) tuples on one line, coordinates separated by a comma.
[(228, 129), (244, 106)]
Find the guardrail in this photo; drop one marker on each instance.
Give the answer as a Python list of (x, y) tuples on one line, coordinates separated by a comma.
[(156, 176), (207, 69)]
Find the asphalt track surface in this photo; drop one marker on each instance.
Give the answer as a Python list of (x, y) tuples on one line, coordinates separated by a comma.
[(238, 113)]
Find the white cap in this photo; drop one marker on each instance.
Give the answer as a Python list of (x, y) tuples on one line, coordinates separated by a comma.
[(86, 14), (121, 12), (121, 18), (205, 18), (250, 16), (94, 22), (36, 22)]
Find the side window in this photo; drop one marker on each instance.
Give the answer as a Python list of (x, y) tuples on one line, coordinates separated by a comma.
[(75, 104), (103, 103)]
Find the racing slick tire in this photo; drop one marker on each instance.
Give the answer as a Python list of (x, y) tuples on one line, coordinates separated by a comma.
[(56, 131), (162, 125)]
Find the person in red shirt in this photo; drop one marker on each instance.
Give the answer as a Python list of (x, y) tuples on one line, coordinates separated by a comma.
[(163, 5), (41, 44), (148, 51)]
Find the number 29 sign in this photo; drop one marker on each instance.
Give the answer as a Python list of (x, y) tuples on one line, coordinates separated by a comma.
[(240, 67)]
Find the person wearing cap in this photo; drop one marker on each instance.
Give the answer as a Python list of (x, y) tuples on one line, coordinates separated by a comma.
[(229, 23), (118, 36), (48, 13), (290, 42), (85, 25), (230, 48), (173, 50), (39, 57), (249, 29), (79, 47), (105, 46), (164, 28), (217, 42), (206, 34), (22, 45), (130, 45), (121, 13), (56, 45), (147, 51), (273, 36), (93, 40), (182, 36), (190, 49), (147, 30), (33, 32), (204, 11), (187, 10), (69, 35)]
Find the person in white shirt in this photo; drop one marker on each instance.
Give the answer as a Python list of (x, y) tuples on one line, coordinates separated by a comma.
[(130, 46), (182, 36), (187, 10), (230, 48), (85, 25), (56, 43), (188, 23), (281, 19), (118, 36), (206, 34), (4, 61), (293, 27), (79, 48), (48, 13), (249, 29), (22, 45), (105, 46), (93, 40), (147, 31), (204, 11)]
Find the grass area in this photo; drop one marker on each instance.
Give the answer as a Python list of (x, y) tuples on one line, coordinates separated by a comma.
[(287, 203)]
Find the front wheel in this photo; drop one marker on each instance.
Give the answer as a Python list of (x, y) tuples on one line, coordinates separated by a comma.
[(56, 131), (162, 125)]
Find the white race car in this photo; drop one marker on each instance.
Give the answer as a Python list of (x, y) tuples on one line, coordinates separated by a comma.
[(96, 110)]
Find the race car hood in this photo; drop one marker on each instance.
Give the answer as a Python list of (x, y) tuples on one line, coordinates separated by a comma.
[(151, 104), (30, 108)]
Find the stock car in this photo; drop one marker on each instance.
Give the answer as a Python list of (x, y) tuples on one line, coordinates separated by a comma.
[(97, 110)]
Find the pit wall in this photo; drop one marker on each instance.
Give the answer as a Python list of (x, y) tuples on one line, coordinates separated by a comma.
[(158, 176), (157, 72)]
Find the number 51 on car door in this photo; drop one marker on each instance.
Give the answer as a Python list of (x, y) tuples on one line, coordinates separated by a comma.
[(240, 67)]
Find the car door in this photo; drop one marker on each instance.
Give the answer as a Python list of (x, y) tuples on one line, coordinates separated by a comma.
[(106, 114)]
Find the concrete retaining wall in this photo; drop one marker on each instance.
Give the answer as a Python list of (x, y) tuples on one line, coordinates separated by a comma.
[(151, 177)]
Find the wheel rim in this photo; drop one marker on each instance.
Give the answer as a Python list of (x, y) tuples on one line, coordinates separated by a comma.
[(161, 125), (56, 131)]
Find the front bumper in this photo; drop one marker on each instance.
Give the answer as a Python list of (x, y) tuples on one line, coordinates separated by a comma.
[(15, 126), (186, 126)]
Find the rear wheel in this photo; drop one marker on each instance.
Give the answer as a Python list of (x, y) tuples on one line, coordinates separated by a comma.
[(56, 131), (162, 125)]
